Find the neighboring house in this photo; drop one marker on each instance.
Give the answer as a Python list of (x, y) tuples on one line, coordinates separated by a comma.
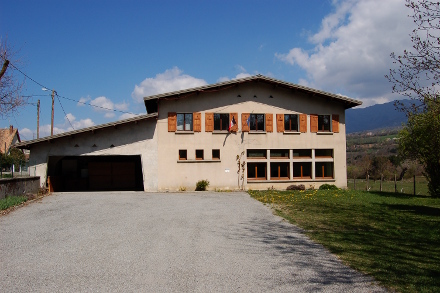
[(288, 134), (8, 137)]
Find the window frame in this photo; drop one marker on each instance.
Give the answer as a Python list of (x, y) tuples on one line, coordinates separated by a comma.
[(184, 120), (320, 122), (198, 157), (254, 166), (226, 115), (278, 170), (302, 176), (183, 155), (215, 157), (320, 166), (256, 150), (255, 115), (290, 123)]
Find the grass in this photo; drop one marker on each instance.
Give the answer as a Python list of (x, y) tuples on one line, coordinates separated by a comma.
[(405, 186), (392, 237), (10, 201)]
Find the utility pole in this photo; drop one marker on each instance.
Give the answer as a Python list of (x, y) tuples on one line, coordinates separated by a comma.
[(38, 119), (51, 123)]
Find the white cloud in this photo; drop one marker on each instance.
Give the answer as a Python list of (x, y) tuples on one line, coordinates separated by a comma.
[(82, 101), (171, 80), (127, 116), (352, 49), (69, 121), (105, 105), (26, 134)]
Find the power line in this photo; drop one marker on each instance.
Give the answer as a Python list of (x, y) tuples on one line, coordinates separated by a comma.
[(85, 103), (64, 111)]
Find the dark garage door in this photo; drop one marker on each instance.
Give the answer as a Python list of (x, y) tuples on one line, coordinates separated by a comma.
[(98, 173)]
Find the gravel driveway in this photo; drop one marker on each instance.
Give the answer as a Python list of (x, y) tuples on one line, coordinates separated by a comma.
[(163, 242)]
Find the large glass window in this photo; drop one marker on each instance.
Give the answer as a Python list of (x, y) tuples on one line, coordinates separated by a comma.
[(302, 153), (221, 122), (324, 122), (327, 153), (184, 121), (279, 154), (256, 154), (323, 170), (279, 171), (302, 170), (256, 122), (256, 171), (291, 122)]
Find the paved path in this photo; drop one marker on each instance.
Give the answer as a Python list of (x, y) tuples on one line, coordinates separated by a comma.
[(163, 242)]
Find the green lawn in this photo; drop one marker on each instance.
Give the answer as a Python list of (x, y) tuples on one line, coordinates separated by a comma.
[(405, 186), (393, 237)]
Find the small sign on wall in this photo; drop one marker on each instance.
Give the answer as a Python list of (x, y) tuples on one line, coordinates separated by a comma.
[(226, 170)]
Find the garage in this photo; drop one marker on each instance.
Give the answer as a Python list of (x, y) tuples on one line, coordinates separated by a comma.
[(95, 173)]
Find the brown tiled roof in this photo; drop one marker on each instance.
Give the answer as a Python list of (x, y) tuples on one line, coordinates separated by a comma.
[(7, 136)]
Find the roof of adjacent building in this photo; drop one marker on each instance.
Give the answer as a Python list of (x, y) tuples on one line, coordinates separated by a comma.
[(7, 137), (28, 143), (348, 102)]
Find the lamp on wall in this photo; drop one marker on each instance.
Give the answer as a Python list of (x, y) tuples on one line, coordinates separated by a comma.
[(270, 97), (239, 96), (255, 96)]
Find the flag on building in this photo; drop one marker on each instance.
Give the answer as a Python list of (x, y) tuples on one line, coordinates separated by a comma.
[(233, 122)]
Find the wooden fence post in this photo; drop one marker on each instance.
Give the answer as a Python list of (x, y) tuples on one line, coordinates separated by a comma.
[(395, 183), (381, 178), (414, 185), (366, 186), (354, 182)]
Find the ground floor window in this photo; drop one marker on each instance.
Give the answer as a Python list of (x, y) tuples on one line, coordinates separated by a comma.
[(257, 171), (279, 171), (216, 154), (324, 170), (182, 155), (302, 170), (199, 155)]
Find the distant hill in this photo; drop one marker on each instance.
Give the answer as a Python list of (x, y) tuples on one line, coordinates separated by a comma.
[(374, 117)]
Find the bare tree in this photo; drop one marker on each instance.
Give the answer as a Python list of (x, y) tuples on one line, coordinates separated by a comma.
[(10, 85), (419, 68)]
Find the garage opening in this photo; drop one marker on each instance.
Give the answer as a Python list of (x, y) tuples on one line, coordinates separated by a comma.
[(95, 173)]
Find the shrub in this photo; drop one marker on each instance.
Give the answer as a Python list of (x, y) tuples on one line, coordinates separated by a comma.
[(328, 187), (201, 185), (296, 187)]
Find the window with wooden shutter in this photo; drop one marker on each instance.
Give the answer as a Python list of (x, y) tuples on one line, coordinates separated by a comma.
[(197, 122), (280, 122), (209, 122), (233, 117), (313, 122), (335, 123), (269, 122), (244, 122), (172, 120), (303, 122)]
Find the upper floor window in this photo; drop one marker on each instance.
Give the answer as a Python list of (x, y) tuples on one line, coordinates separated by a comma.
[(184, 121), (221, 122), (324, 122), (256, 122), (291, 122)]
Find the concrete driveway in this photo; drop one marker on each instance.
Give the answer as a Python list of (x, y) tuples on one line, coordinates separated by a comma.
[(163, 242)]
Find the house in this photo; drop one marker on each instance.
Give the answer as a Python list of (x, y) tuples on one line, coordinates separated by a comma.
[(280, 133), (8, 137)]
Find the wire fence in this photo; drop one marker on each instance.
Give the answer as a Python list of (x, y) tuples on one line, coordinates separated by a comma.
[(414, 186)]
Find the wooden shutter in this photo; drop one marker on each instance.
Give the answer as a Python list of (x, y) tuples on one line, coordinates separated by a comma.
[(235, 127), (269, 122), (244, 126), (172, 121), (313, 122), (197, 122), (209, 122), (280, 122), (303, 122), (335, 122)]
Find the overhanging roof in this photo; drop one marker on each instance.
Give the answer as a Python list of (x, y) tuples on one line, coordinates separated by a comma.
[(28, 143), (348, 102)]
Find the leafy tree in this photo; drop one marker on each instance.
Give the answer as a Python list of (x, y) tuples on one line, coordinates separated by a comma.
[(18, 158), (10, 85), (420, 139), (417, 77)]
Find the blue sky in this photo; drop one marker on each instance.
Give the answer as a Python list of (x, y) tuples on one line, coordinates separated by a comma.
[(112, 53)]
